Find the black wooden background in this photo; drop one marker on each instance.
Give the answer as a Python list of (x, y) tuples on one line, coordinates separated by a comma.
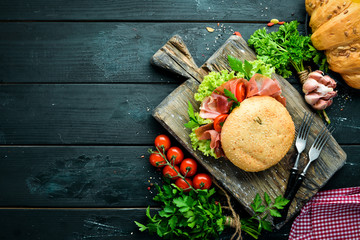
[(76, 96)]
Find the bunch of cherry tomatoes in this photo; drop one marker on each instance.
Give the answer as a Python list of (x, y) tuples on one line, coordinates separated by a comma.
[(182, 171)]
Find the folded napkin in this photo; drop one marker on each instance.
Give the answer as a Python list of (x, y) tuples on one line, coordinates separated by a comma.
[(329, 215)]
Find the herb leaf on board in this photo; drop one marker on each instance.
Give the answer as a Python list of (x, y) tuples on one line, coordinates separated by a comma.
[(286, 48)]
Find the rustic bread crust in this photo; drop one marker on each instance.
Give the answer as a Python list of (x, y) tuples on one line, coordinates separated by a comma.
[(336, 29), (327, 10), (339, 30), (352, 79), (344, 59), (257, 134)]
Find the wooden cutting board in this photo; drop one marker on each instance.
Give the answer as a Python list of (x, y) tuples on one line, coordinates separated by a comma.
[(172, 114)]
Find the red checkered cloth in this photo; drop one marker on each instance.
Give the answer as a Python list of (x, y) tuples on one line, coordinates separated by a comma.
[(329, 215)]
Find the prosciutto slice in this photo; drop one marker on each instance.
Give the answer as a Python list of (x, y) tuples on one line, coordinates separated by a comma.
[(217, 103), (214, 105), (260, 85), (231, 85), (207, 132)]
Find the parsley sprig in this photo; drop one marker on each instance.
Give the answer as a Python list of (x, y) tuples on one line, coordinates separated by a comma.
[(231, 97), (185, 216), (194, 118), (254, 225), (285, 48), (196, 214), (245, 68)]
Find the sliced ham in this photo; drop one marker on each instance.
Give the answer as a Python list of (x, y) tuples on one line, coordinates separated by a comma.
[(260, 85), (231, 85), (200, 130), (214, 105), (217, 103), (207, 132)]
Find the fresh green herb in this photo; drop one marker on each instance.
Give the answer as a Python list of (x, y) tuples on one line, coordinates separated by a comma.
[(285, 48), (240, 70), (196, 215), (231, 97), (185, 216), (248, 69), (202, 145), (211, 82), (195, 120), (258, 221)]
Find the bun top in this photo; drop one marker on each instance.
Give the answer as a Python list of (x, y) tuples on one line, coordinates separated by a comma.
[(257, 134)]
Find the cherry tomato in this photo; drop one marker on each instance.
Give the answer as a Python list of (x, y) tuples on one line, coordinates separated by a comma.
[(169, 172), (240, 91), (183, 185), (202, 181), (175, 154), (188, 167), (157, 160), (162, 141), (219, 121)]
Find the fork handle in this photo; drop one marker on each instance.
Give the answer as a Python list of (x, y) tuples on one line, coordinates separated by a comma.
[(290, 196), (291, 181)]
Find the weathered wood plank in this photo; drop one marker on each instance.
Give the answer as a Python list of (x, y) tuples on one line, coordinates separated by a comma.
[(186, 10), (80, 113), (81, 224), (76, 176), (102, 52), (172, 114), (100, 176), (75, 224), (111, 114)]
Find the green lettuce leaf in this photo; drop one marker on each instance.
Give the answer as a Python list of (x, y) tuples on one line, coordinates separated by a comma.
[(211, 82), (241, 70), (201, 145)]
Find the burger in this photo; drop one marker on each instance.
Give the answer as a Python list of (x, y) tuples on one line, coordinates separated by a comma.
[(242, 117)]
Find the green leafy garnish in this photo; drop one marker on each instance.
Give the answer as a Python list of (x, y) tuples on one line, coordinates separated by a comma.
[(185, 216), (211, 82), (231, 97), (195, 120), (240, 69), (196, 215), (285, 48), (202, 145), (248, 69), (262, 209)]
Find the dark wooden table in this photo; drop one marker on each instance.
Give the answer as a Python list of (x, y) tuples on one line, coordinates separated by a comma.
[(76, 96)]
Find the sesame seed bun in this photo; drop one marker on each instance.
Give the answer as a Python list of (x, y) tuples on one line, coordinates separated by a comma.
[(257, 134)]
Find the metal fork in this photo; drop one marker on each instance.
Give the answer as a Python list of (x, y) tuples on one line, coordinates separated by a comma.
[(314, 154), (300, 144)]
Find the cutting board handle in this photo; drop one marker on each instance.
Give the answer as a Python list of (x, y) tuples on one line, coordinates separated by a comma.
[(175, 56)]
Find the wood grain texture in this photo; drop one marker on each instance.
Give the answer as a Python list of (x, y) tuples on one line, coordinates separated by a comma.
[(172, 114), (80, 113), (82, 224), (163, 10), (100, 176), (93, 52), (74, 224), (77, 176)]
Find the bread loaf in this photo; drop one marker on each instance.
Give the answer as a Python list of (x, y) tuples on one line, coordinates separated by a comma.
[(336, 29), (344, 58), (257, 134)]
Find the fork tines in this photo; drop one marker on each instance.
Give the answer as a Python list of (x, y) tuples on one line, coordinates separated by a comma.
[(323, 137), (305, 126)]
